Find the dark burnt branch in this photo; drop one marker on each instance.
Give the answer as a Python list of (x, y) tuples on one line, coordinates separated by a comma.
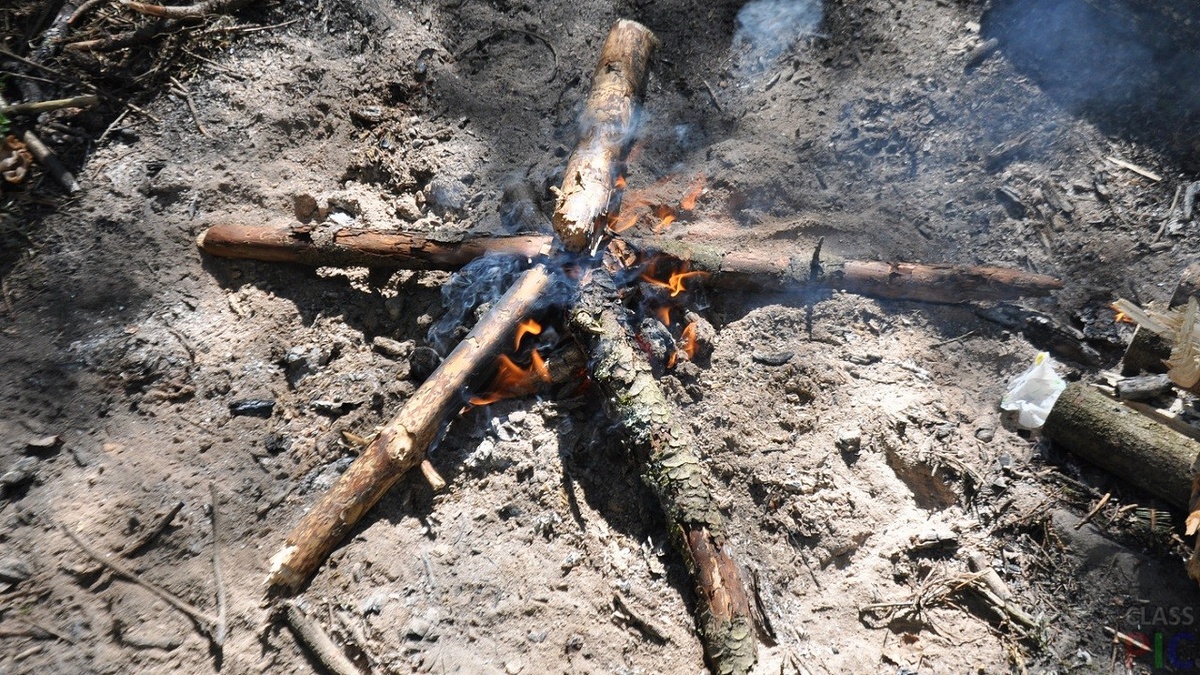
[(196, 11), (736, 270), (635, 403)]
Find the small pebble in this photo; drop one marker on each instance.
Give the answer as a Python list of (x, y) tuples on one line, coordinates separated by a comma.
[(772, 358), (985, 434), (391, 348)]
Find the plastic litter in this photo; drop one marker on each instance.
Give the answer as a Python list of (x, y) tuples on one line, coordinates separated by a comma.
[(1033, 393)]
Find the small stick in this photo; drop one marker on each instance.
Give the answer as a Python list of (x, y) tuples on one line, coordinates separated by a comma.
[(952, 340), (1189, 200), (318, 642), (48, 159), (196, 11), (713, 95), (202, 618), (83, 9), (431, 475), (151, 533), (1096, 509), (1134, 168), (626, 615), (49, 630), (221, 628), (980, 53), (38, 107), (1163, 228), (1129, 641), (191, 104)]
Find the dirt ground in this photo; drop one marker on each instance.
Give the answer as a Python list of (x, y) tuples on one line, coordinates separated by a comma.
[(842, 433)]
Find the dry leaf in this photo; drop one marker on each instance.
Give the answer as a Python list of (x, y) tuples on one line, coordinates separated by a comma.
[(15, 160)]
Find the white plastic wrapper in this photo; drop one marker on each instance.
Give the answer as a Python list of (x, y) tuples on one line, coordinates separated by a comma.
[(1033, 393)]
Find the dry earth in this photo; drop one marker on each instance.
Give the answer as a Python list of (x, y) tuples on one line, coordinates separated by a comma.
[(839, 430)]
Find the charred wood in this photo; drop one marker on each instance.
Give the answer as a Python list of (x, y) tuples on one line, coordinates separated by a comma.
[(636, 404)]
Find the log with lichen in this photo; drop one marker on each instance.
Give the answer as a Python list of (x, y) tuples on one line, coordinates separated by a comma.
[(634, 402)]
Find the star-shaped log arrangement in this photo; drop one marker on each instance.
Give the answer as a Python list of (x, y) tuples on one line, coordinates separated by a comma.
[(593, 262)]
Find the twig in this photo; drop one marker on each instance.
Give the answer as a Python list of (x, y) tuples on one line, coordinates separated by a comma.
[(537, 36), (34, 64), (1163, 228), (203, 620), (713, 95), (1127, 640), (625, 615), (151, 533), (1189, 200), (1092, 514), (220, 630), (1134, 168), (247, 29), (431, 475), (49, 630), (191, 104), (83, 9), (317, 641), (132, 38), (952, 340), (48, 159), (46, 106), (199, 10)]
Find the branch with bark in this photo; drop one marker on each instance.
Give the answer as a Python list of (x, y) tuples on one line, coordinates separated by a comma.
[(734, 270)]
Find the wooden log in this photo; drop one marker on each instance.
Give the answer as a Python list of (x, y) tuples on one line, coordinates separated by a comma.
[(636, 404), (403, 443), (1123, 442), (606, 132), (1148, 352), (1142, 387), (737, 270)]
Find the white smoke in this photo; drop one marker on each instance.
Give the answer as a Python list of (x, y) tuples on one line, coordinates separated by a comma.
[(768, 28)]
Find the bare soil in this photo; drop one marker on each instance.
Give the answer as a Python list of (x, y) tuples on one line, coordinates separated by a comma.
[(841, 432)]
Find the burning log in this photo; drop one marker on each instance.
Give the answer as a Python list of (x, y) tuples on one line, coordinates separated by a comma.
[(635, 402), (747, 270), (403, 443), (1124, 442), (607, 125)]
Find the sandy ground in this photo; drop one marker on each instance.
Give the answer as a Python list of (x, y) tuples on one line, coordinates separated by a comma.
[(842, 433)]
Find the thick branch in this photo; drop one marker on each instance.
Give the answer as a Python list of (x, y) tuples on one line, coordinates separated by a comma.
[(404, 441), (606, 131), (636, 404), (737, 270)]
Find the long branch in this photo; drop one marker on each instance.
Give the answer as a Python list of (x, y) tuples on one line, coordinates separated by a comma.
[(737, 270)]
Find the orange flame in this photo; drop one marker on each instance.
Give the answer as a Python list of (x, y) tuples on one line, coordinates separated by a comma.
[(619, 183), (527, 327), (694, 191), (675, 284), (687, 341), (512, 380), (664, 223), (624, 221), (664, 315)]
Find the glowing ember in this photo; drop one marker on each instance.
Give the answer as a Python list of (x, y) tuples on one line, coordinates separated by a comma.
[(527, 327), (512, 380), (694, 191), (675, 284)]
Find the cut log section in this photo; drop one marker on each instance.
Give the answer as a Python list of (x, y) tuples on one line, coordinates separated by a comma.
[(636, 404), (606, 132), (1124, 442), (403, 443), (745, 270)]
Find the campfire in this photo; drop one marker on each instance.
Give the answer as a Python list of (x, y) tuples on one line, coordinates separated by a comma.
[(590, 302)]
